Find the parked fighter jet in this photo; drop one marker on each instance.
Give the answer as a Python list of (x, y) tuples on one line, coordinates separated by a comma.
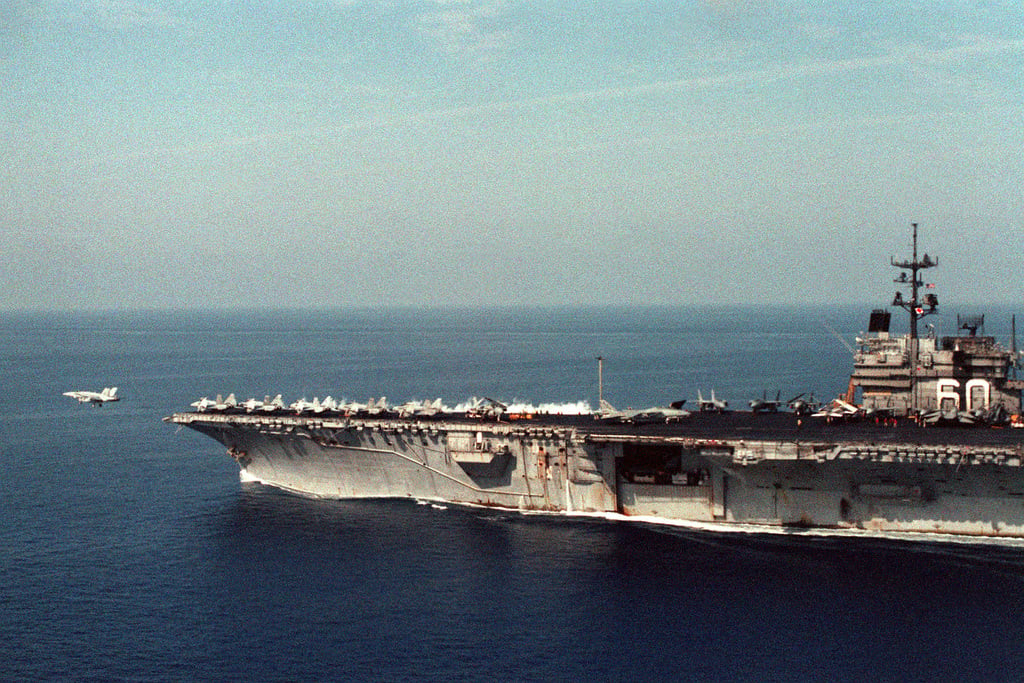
[(712, 405), (203, 404), (486, 408), (377, 407), (419, 408), (224, 404), (302, 405), (351, 407), (271, 405), (763, 405), (328, 405), (802, 406), (252, 404), (837, 408), (97, 398), (607, 411), (672, 413), (430, 408), (219, 404)]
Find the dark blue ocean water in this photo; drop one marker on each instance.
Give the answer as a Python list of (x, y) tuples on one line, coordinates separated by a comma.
[(131, 551)]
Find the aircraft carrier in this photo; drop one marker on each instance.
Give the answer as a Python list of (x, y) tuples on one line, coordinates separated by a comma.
[(925, 439)]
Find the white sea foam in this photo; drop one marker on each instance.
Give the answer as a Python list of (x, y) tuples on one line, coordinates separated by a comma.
[(769, 530), (766, 529), (575, 408), (243, 475), (434, 504), (519, 407)]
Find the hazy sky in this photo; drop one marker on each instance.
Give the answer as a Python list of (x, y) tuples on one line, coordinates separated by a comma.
[(193, 154)]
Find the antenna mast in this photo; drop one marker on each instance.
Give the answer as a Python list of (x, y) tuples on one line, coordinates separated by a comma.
[(916, 306), (1015, 362)]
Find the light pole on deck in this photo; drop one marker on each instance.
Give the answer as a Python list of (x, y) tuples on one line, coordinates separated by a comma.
[(600, 381)]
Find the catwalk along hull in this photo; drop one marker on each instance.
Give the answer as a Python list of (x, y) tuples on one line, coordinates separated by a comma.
[(709, 469)]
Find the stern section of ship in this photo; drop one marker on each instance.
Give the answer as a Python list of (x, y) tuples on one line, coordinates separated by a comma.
[(892, 487)]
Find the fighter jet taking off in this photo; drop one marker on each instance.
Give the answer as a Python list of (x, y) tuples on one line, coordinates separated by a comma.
[(94, 397)]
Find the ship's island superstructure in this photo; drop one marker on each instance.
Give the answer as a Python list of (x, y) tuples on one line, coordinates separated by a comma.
[(967, 377), (924, 440)]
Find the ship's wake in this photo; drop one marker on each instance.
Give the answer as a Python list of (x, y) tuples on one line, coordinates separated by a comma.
[(801, 532)]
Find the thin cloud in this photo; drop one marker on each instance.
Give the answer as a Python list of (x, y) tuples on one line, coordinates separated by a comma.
[(979, 46), (759, 77), (127, 14), (466, 30)]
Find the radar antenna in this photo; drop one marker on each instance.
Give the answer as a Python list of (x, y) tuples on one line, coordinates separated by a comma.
[(971, 323), (918, 307)]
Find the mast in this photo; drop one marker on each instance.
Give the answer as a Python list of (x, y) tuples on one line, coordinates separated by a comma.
[(1014, 357), (916, 306)]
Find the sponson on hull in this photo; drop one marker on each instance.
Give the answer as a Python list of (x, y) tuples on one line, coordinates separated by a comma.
[(923, 440)]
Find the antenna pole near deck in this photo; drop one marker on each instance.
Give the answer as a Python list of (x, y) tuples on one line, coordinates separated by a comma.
[(917, 306), (600, 381), (1015, 357)]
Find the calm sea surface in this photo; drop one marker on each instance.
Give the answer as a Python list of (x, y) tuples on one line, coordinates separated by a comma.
[(131, 551)]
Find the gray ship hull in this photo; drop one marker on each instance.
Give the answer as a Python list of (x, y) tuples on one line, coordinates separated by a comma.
[(933, 481)]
